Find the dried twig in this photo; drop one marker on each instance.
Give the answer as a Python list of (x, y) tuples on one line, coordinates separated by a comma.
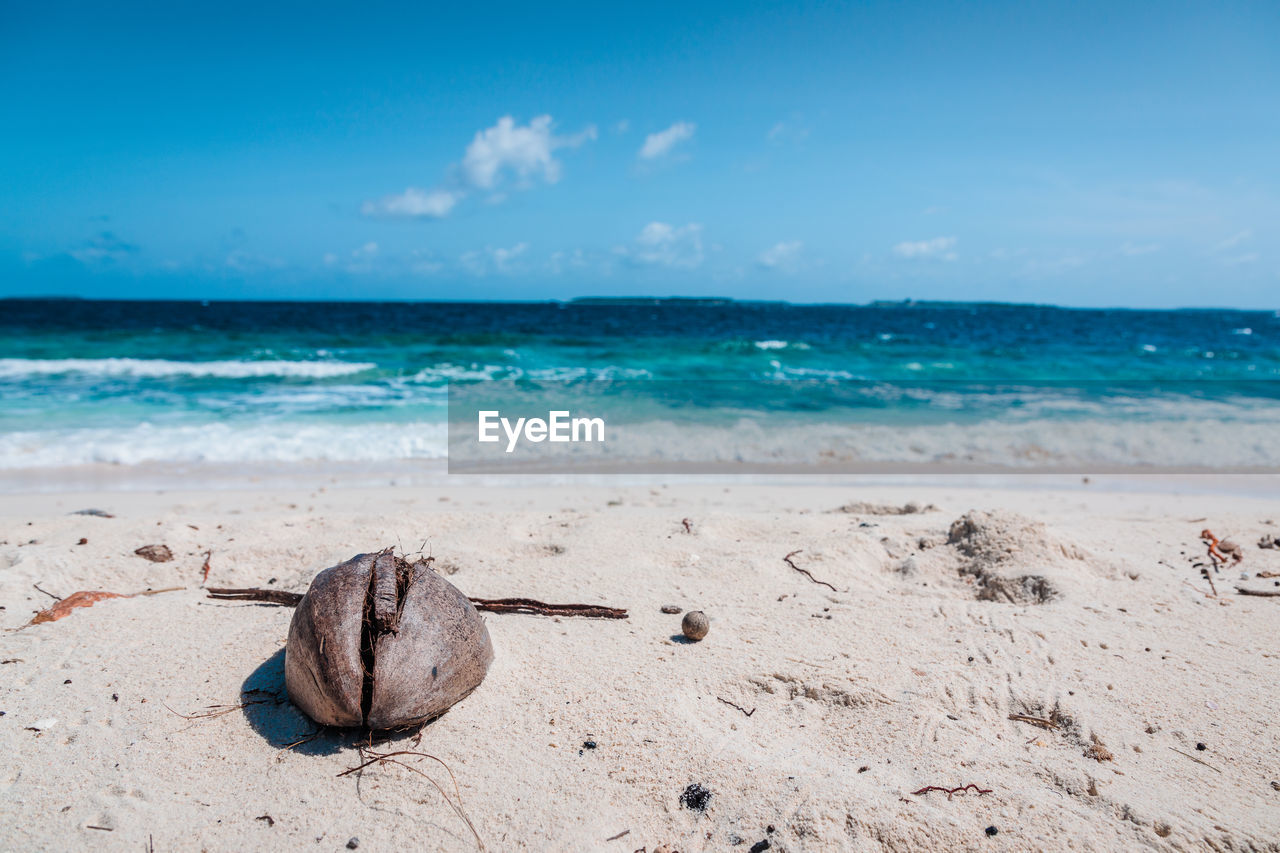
[(539, 608), (736, 705), (805, 572), (622, 834), (1035, 721), (493, 605), (951, 792), (688, 528), (46, 592), (208, 555), (1196, 760), (1197, 589), (269, 596), (299, 742), (222, 710), (1265, 593), (390, 757)]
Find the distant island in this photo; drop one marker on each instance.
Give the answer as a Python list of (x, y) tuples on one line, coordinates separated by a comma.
[(652, 300)]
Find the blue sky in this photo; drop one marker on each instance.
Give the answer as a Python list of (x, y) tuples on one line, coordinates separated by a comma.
[(1083, 154)]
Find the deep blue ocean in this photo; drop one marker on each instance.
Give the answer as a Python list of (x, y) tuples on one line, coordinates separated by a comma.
[(240, 382)]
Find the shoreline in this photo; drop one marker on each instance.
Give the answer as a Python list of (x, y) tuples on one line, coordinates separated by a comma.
[(220, 477)]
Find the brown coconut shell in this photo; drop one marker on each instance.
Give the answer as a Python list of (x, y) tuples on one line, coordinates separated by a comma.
[(381, 643)]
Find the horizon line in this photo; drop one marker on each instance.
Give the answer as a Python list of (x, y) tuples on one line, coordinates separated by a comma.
[(642, 300)]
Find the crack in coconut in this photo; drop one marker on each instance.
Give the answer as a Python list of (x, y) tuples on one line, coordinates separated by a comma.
[(382, 643)]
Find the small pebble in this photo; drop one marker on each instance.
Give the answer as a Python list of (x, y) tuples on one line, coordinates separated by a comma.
[(695, 625), (1201, 747), (760, 846), (670, 608), (588, 744), (353, 843), (991, 830)]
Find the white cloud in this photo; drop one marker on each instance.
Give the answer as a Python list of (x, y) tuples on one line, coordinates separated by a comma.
[(490, 260), (414, 204), (784, 131), (782, 256), (660, 143), (660, 244), (1234, 240), (105, 247), (524, 152), (560, 261), (939, 248), (424, 262), (244, 262)]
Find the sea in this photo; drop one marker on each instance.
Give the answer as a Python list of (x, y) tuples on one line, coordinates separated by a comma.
[(1017, 387)]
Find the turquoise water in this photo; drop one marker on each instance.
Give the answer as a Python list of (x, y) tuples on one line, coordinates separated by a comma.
[(125, 382)]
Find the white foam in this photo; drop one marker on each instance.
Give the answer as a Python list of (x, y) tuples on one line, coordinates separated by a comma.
[(768, 345), (271, 442), (16, 368)]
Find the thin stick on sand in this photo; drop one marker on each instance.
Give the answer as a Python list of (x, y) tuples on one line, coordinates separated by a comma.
[(1035, 721), (492, 605), (951, 792), (1263, 593), (805, 572)]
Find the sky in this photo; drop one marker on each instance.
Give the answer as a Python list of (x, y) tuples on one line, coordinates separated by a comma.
[(1075, 153)]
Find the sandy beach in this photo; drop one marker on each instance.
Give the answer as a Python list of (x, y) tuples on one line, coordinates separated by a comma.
[(1054, 649)]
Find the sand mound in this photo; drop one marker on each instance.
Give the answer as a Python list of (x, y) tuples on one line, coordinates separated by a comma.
[(992, 542)]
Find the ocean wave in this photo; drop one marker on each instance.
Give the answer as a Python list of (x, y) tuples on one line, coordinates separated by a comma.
[(275, 442), (768, 345), (1073, 445), (16, 368), (443, 373)]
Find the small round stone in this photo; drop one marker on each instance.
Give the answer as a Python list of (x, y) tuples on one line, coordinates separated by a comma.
[(695, 625), (670, 608), (353, 843)]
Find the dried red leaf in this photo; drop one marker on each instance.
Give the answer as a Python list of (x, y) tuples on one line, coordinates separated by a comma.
[(71, 602)]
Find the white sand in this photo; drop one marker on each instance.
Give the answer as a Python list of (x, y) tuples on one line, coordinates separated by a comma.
[(901, 678)]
